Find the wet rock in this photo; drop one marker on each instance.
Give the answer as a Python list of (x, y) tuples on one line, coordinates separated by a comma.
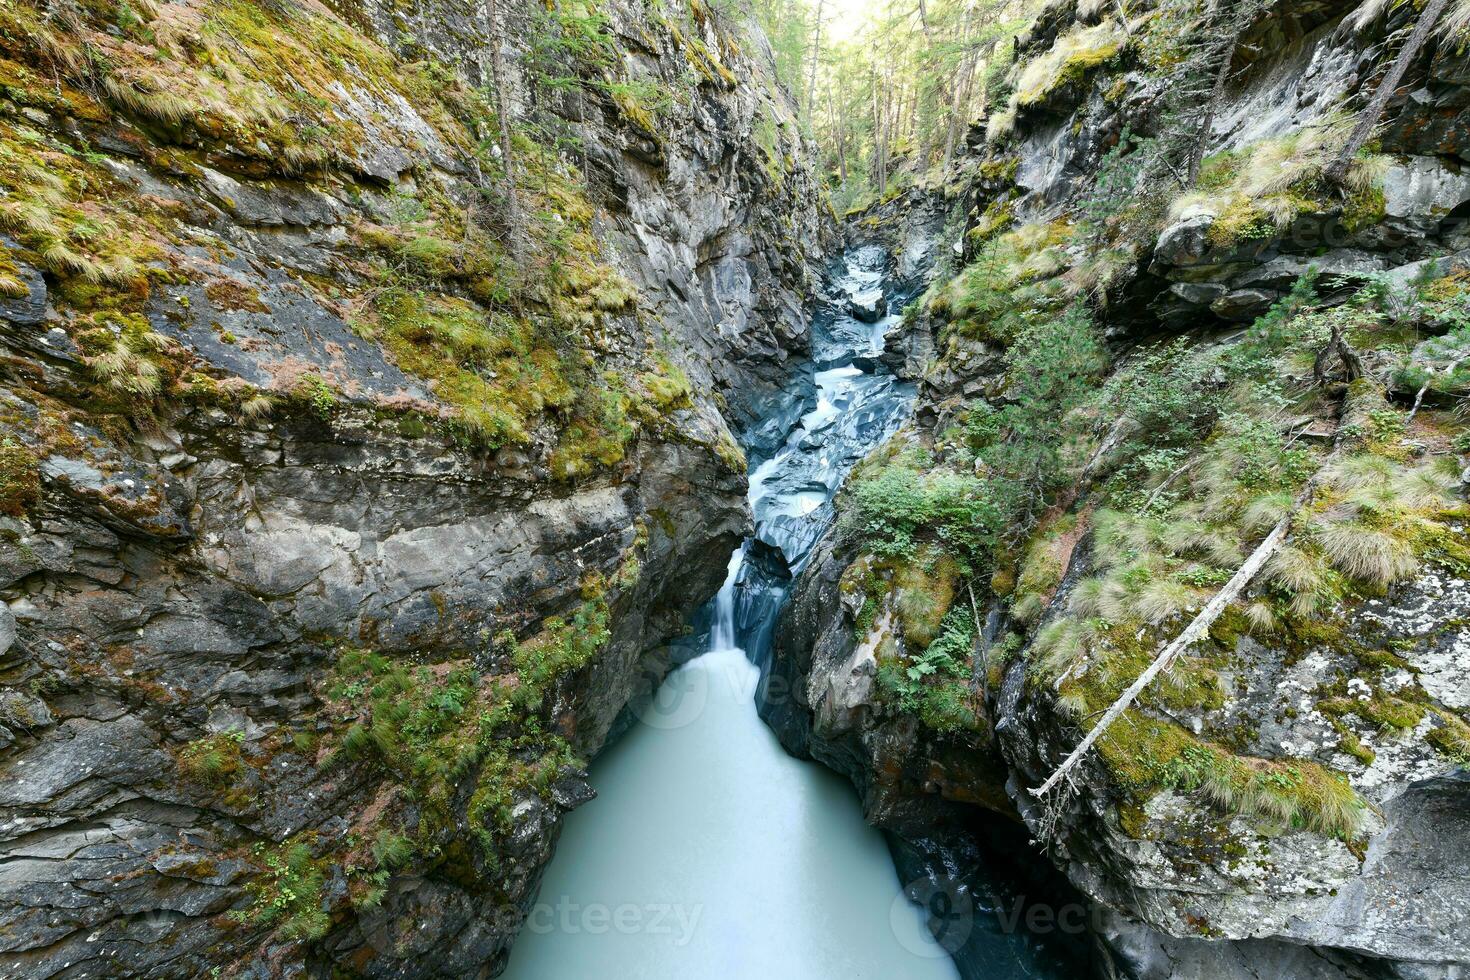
[(270, 205), (869, 306), (30, 309), (1336, 267), (1431, 268), (1197, 293)]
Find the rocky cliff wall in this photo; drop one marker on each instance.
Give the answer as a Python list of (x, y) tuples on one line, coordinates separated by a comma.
[(1265, 811), (348, 500)]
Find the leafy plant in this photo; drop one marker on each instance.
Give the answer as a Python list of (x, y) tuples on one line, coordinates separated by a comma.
[(934, 685), (289, 891)]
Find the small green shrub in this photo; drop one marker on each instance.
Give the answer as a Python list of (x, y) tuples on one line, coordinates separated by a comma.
[(288, 891), (934, 685), (896, 509), (213, 760), (392, 850)]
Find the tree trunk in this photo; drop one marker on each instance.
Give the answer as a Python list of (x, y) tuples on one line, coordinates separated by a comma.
[(877, 161), (1197, 627), (842, 140), (1368, 120), (1192, 633), (811, 78), (1226, 56), (959, 115), (502, 112), (1339, 347)]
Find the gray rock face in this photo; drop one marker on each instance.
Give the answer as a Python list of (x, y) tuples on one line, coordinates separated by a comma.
[(1421, 191), (821, 702), (1184, 242), (908, 227), (30, 309), (1286, 888), (403, 546)]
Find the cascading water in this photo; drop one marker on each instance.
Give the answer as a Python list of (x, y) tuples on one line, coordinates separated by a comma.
[(709, 852)]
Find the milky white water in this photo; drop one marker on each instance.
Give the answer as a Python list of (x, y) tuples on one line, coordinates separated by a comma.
[(710, 853)]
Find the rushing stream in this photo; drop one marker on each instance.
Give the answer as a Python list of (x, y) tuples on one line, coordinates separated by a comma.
[(709, 852)]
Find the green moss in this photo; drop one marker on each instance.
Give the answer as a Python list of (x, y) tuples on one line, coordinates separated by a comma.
[(11, 284), (1118, 655), (1387, 712), (74, 221), (1451, 737), (1042, 568), (728, 451), (266, 81), (862, 580), (598, 434), (442, 733), (1241, 220), (1256, 193), (1133, 820), (925, 592), (999, 216), (768, 141), (1000, 170), (668, 386), (1364, 208), (1147, 754), (1353, 746), (496, 370), (633, 110), (1070, 59), (20, 478), (707, 63), (313, 391)]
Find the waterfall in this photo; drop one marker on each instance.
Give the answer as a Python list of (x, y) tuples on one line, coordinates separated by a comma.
[(722, 856), (722, 632)]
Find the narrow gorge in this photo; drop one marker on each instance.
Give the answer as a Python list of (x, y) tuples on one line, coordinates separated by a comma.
[(657, 488)]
